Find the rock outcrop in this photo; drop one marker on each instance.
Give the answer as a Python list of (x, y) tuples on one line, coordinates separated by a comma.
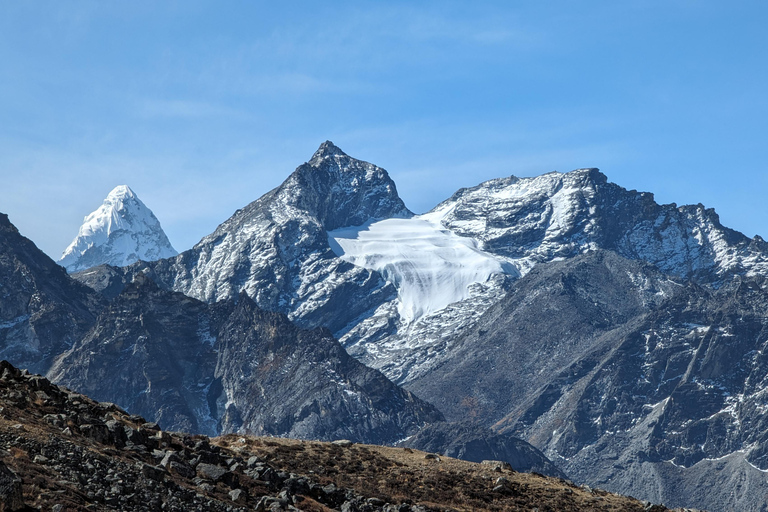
[(42, 310), (232, 367), (471, 441)]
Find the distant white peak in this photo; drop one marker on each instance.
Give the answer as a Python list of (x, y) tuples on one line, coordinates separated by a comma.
[(120, 191), (120, 232)]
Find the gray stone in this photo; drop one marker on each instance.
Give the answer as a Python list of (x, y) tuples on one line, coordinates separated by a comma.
[(237, 495), (98, 432), (497, 465), (211, 471), (11, 497), (153, 472)]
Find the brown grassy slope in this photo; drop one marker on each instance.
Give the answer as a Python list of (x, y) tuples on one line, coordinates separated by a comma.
[(73, 452), (397, 475)]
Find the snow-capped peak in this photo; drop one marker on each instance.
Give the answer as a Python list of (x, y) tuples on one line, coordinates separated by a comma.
[(120, 232)]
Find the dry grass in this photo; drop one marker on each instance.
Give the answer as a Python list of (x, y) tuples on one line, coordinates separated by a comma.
[(399, 475)]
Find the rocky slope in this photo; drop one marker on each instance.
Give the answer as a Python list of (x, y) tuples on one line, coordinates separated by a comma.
[(283, 251), (393, 307), (276, 248), (528, 221), (598, 285), (625, 378), (42, 311), (192, 365), (533, 220), (573, 269), (60, 451), (121, 231), (203, 368)]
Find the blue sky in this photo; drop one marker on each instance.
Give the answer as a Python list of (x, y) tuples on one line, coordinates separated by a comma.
[(201, 107)]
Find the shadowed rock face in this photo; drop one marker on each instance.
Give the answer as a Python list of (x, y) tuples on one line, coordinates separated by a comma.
[(475, 443), (232, 367), (42, 310), (624, 378)]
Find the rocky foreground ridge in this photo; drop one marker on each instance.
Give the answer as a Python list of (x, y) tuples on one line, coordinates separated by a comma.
[(62, 451)]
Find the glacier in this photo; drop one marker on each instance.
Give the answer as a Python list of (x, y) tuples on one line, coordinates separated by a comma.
[(430, 266)]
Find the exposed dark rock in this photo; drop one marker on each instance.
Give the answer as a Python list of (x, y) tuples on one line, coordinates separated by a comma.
[(11, 497), (192, 366), (625, 378), (42, 310), (105, 279)]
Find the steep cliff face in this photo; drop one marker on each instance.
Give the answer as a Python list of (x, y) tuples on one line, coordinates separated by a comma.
[(625, 378), (232, 367), (42, 311), (120, 232), (276, 248)]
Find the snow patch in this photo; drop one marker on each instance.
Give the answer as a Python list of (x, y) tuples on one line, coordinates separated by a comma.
[(430, 266)]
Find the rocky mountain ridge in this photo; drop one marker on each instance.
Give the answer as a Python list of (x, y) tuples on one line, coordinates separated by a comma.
[(624, 377), (201, 368), (283, 250), (611, 317), (42, 310), (654, 254), (196, 366)]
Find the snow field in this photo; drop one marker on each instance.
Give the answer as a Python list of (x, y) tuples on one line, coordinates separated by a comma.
[(430, 266)]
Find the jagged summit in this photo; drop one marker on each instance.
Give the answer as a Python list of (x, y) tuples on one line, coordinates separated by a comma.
[(5, 221), (121, 231), (342, 191), (326, 150)]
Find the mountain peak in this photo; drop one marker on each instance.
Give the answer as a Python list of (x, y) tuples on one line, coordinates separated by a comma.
[(121, 192), (121, 231), (5, 222), (342, 191), (325, 150)]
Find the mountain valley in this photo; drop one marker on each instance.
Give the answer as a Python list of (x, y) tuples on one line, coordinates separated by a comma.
[(623, 339)]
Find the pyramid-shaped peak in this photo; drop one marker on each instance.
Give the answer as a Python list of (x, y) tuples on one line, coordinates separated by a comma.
[(121, 191), (327, 149), (121, 231)]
